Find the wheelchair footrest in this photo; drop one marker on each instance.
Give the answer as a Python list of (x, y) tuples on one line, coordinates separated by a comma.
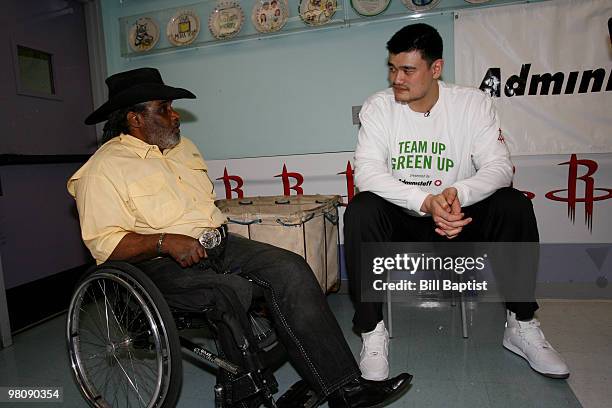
[(299, 395), (246, 385)]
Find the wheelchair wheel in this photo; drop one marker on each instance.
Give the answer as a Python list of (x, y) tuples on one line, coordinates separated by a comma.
[(122, 341)]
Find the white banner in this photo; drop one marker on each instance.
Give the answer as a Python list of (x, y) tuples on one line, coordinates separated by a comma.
[(571, 193), (548, 66)]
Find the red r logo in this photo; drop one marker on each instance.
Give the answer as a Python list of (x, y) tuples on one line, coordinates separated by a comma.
[(350, 182), (299, 179), (228, 186), (589, 190)]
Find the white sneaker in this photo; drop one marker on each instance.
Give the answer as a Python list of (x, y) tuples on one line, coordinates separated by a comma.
[(527, 340), (373, 361)]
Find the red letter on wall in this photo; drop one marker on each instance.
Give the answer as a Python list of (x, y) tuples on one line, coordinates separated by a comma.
[(299, 179), (228, 186), (350, 182)]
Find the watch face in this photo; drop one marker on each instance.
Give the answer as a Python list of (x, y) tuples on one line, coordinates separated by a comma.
[(210, 238)]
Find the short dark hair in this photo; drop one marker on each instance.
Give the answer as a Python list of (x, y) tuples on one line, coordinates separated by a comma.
[(117, 121), (417, 37)]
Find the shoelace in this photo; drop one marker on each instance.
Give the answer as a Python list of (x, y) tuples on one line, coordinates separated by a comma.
[(374, 344), (531, 333)]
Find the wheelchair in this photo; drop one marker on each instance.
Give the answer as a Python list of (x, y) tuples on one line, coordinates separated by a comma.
[(125, 350)]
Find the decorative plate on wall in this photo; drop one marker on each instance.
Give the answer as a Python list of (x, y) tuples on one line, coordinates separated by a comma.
[(370, 8), (420, 5), (183, 28), (143, 34), (317, 12), (226, 20), (269, 16)]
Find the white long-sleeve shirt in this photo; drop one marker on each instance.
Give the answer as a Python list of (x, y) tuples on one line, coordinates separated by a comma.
[(404, 155)]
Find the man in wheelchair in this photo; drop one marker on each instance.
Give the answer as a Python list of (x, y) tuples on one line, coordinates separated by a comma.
[(145, 198)]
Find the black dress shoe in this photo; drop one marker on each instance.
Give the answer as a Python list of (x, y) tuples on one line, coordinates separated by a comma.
[(363, 393)]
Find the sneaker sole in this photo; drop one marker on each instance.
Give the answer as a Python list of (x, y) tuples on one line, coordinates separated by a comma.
[(511, 347), (376, 378)]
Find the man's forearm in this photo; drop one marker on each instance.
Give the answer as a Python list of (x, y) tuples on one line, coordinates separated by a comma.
[(136, 248), (374, 177)]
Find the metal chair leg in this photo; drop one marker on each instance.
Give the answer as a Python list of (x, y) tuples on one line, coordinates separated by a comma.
[(389, 308), (464, 326)]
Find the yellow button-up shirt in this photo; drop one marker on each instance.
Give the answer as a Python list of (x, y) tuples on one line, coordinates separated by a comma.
[(131, 186)]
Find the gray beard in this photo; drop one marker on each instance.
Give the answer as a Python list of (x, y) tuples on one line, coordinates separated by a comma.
[(164, 139)]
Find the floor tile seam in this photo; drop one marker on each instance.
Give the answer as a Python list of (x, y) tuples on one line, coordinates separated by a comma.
[(583, 384), (527, 384), (488, 393), (580, 348), (576, 392)]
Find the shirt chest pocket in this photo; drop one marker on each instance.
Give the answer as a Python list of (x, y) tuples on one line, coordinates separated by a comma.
[(199, 170), (156, 204)]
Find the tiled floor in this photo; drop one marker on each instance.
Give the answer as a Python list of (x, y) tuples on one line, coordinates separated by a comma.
[(582, 332), (449, 371)]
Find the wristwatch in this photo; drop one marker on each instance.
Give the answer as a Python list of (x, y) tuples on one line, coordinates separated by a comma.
[(210, 238)]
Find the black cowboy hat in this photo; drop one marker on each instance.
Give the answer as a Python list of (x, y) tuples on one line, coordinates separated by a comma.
[(132, 87)]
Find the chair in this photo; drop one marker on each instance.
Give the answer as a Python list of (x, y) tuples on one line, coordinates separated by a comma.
[(462, 304), (125, 349)]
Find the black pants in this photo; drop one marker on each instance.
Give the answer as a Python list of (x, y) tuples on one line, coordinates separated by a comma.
[(505, 216), (300, 313)]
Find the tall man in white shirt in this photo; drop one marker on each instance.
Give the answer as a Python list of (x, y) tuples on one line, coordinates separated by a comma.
[(430, 165)]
